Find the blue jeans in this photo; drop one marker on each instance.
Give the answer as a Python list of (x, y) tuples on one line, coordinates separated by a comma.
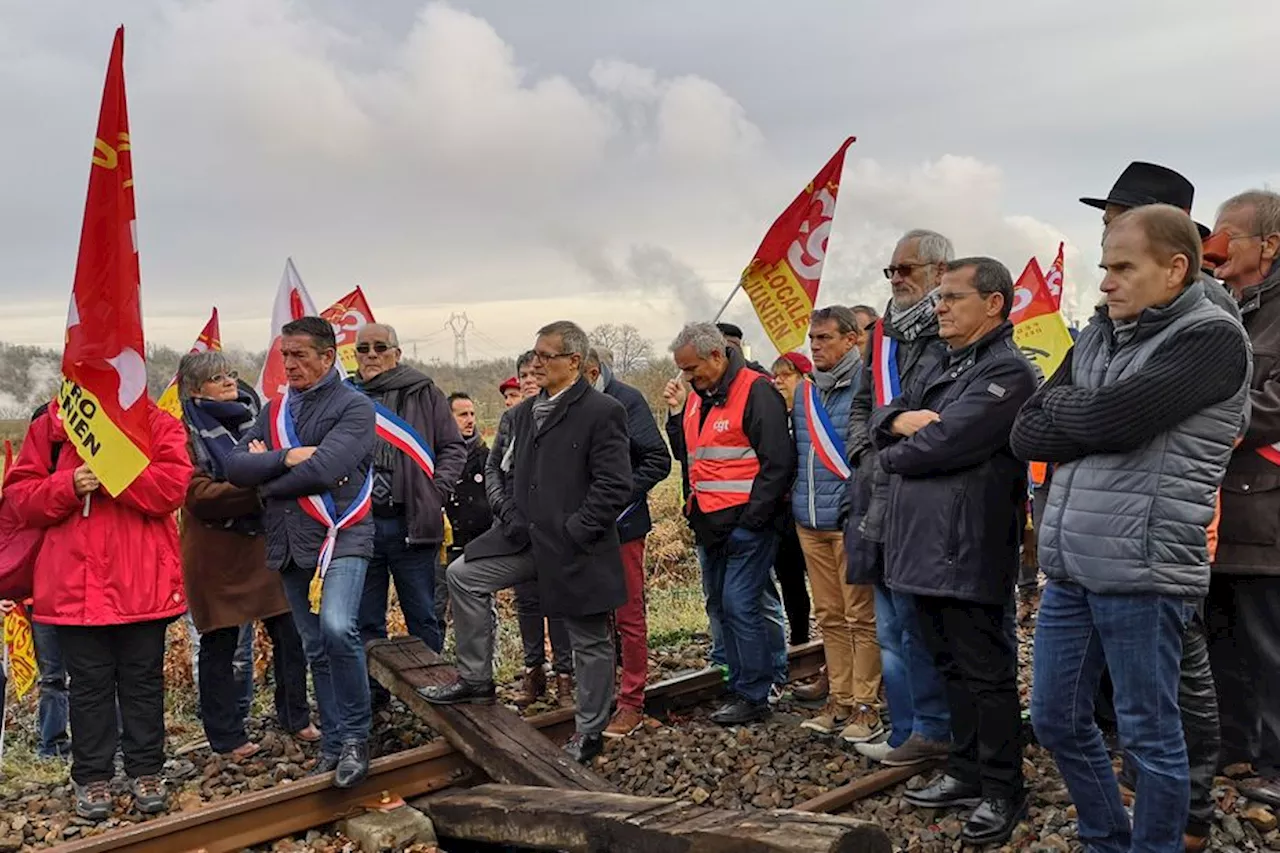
[(413, 567), (771, 604), (1139, 640), (912, 686), (332, 644), (54, 706), (736, 573)]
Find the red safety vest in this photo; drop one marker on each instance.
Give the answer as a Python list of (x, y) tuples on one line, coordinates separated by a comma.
[(721, 462)]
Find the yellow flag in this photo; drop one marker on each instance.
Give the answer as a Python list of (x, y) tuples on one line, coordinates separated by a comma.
[(1044, 340), (21, 652)]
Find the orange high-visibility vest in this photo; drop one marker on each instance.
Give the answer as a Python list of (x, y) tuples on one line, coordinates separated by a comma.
[(721, 462), (1039, 471)]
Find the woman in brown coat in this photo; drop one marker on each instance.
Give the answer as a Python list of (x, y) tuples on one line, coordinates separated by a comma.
[(224, 562)]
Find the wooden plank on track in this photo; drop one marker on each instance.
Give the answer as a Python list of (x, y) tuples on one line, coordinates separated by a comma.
[(864, 786), (492, 737), (588, 821)]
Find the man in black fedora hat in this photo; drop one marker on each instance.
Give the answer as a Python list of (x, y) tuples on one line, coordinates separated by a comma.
[(1147, 183)]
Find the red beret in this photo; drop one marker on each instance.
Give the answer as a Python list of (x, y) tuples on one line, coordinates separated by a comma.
[(799, 361), (512, 384)]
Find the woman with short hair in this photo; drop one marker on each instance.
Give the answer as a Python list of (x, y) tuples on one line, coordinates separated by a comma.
[(224, 562)]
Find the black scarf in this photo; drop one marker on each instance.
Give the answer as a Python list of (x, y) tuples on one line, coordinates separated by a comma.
[(215, 427)]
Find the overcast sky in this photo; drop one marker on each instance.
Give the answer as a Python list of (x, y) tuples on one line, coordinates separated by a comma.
[(598, 160)]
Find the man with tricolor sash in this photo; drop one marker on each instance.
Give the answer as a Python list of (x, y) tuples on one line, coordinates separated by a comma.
[(417, 461), (920, 728), (846, 612), (310, 454)]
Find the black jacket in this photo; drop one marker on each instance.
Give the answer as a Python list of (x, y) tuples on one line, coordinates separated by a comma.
[(957, 494), (468, 506), (569, 481), (650, 458), (768, 428)]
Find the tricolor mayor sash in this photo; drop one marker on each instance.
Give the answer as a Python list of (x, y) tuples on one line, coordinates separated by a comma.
[(398, 432), (827, 444), (884, 365), (319, 507)]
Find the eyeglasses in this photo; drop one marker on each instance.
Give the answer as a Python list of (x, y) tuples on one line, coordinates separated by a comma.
[(551, 356), (229, 376), (377, 346), (903, 270)]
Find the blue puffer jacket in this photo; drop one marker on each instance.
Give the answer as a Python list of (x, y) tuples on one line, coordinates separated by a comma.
[(819, 499)]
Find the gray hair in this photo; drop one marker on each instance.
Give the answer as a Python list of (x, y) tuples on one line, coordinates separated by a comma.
[(1266, 209), (989, 276), (843, 317), (705, 339), (572, 339), (933, 248), (392, 337), (197, 368)]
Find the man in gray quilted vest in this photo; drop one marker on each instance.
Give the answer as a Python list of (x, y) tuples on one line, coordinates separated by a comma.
[(1139, 421)]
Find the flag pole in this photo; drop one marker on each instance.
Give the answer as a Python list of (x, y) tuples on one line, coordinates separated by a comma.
[(727, 300)]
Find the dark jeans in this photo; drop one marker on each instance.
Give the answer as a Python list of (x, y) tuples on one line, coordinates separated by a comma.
[(413, 567), (221, 694), (735, 575), (789, 566), (978, 663), (1243, 621), (912, 686), (54, 708), (123, 663), (533, 631), (332, 644), (1139, 637)]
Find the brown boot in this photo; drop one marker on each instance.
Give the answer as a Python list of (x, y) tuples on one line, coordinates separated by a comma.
[(564, 691), (532, 687), (815, 692)]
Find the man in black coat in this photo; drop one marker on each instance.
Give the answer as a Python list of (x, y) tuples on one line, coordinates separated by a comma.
[(650, 465), (556, 522), (468, 506), (952, 531)]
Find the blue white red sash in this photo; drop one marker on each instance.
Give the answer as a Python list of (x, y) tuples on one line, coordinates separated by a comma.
[(884, 363), (319, 507), (397, 432), (827, 443)]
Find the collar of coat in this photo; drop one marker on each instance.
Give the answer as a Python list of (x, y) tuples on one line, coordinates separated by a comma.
[(1153, 319), (1251, 298), (568, 397)]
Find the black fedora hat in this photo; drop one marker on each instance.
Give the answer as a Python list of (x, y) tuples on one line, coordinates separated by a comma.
[(1148, 183)]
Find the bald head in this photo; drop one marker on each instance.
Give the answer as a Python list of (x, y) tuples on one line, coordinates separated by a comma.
[(377, 350)]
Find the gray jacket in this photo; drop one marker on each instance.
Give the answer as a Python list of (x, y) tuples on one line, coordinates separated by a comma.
[(1134, 522), (338, 421)]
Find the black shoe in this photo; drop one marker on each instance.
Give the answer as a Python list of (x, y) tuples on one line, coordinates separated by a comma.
[(946, 792), (582, 748), (739, 712), (325, 765), (459, 692), (353, 764), (994, 821)]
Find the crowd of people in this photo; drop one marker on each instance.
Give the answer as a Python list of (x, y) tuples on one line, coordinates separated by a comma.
[(881, 483)]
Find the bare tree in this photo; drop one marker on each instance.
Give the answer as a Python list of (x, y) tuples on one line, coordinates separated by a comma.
[(631, 350)]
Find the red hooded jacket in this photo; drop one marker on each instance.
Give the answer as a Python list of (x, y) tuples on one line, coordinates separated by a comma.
[(122, 563)]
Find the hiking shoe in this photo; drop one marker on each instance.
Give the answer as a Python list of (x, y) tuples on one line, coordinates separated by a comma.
[(564, 691), (916, 750), (865, 725), (830, 720), (875, 749), (93, 801), (353, 764), (814, 692), (625, 721), (583, 747), (532, 687), (150, 796)]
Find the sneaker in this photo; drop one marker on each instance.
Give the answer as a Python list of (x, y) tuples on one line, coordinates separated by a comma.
[(830, 720), (916, 750), (150, 796), (876, 749), (625, 721), (93, 801), (582, 748), (776, 692), (864, 725), (723, 670), (353, 764)]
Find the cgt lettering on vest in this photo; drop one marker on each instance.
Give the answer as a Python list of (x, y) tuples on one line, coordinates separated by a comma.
[(78, 411)]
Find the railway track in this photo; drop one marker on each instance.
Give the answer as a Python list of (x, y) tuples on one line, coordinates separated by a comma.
[(292, 807)]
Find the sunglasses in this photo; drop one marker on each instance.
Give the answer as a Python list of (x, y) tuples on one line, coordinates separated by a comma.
[(903, 270), (379, 347), (229, 376)]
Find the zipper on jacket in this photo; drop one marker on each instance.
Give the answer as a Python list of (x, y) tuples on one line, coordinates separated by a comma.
[(813, 501)]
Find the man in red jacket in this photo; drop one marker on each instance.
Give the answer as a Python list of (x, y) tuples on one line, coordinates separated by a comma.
[(111, 581)]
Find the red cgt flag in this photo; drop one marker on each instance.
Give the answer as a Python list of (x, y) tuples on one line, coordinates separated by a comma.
[(210, 339), (1031, 294), (103, 399), (1053, 279), (782, 279), (348, 316)]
